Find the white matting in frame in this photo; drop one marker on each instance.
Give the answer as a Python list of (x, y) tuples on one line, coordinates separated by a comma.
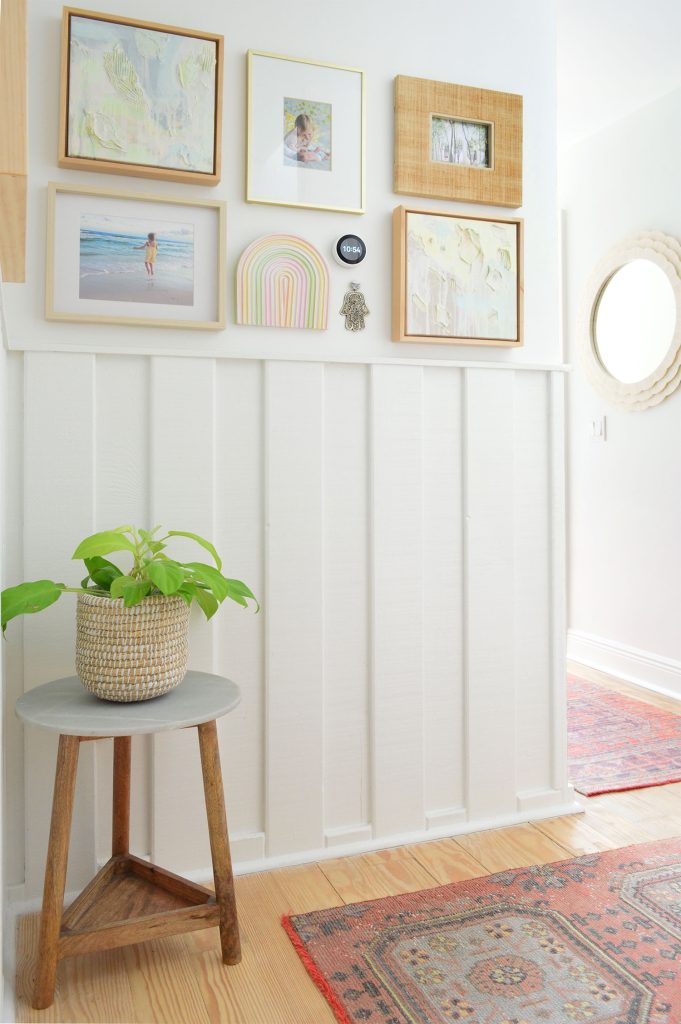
[(306, 141), (132, 258)]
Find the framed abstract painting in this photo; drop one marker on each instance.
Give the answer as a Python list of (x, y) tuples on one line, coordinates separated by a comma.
[(140, 98), (306, 139), (132, 258), (457, 279)]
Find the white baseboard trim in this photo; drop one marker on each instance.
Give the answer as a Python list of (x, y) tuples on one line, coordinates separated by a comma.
[(344, 835), (8, 1009), (449, 816), (425, 835), (652, 671), (538, 800), (20, 904), (9, 954)]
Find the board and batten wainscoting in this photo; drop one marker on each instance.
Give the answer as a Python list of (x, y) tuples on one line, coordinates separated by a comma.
[(402, 523)]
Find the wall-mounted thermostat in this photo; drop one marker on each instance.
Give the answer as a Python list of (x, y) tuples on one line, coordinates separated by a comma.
[(349, 250)]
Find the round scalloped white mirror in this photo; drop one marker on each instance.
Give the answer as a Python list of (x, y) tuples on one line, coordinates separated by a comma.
[(631, 331)]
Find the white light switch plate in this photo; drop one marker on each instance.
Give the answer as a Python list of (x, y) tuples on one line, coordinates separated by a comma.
[(598, 432)]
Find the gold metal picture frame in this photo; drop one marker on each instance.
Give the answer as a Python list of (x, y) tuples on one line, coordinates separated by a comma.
[(497, 180), (104, 264), (457, 278), (103, 102), (325, 171)]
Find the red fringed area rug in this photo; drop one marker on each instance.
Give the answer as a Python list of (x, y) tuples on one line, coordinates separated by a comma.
[(596, 940), (617, 742)]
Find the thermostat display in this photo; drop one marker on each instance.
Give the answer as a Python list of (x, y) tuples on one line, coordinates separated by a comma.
[(350, 250)]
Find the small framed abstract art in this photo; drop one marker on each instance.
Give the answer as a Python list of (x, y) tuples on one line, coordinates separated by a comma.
[(455, 142), (306, 140), (457, 279), (140, 98), (132, 258)]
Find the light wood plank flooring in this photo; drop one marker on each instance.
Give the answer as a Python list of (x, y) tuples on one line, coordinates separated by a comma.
[(181, 980)]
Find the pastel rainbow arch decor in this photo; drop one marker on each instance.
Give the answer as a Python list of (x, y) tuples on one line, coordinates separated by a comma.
[(282, 281)]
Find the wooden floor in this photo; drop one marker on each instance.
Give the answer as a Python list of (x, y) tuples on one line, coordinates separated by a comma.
[(181, 980)]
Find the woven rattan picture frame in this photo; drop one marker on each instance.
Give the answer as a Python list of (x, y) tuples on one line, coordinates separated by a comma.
[(458, 142)]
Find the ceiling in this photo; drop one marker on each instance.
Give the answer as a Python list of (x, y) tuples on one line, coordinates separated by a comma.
[(614, 56)]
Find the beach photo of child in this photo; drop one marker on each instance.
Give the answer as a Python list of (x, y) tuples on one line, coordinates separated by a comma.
[(307, 134), (122, 261)]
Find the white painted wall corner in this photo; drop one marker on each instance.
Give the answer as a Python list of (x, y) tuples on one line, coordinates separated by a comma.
[(652, 671)]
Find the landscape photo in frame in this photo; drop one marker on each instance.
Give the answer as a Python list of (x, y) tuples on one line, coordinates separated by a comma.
[(123, 260), (133, 258), (467, 143)]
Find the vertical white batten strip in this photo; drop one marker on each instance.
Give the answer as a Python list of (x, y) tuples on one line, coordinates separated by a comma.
[(58, 449), (491, 566), (266, 730), (371, 638), (182, 498), (345, 601), (465, 588), (295, 599), (557, 586), (398, 611)]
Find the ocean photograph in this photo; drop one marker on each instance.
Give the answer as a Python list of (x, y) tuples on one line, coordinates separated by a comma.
[(126, 259)]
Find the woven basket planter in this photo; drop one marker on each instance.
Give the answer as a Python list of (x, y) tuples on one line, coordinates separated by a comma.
[(127, 654)]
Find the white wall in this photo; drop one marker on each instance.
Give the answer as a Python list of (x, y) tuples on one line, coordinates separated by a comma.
[(625, 494), (401, 521)]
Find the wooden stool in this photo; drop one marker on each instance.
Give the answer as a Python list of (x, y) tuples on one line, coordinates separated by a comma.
[(129, 900)]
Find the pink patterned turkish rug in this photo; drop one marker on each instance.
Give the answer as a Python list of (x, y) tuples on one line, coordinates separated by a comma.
[(617, 742), (596, 940)]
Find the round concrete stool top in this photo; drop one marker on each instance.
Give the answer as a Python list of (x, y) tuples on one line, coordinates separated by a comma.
[(65, 706)]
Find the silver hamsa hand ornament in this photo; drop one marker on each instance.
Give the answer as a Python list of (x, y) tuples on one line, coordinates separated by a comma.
[(354, 308)]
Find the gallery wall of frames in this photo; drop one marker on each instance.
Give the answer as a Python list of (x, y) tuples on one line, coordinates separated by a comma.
[(160, 241), (292, 280), (145, 100)]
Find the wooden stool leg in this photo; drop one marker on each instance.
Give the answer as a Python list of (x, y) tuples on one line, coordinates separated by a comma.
[(120, 826), (219, 842), (55, 871)]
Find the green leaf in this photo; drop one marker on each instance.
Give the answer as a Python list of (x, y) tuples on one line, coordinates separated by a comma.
[(206, 602), (187, 592), (213, 579), (238, 589), (199, 540), (102, 572), (132, 591), (167, 575), (103, 544), (27, 598)]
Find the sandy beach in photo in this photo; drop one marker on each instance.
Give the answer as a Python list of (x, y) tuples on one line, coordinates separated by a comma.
[(124, 286), (113, 268)]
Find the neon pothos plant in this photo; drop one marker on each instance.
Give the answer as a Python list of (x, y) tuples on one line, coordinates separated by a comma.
[(152, 572)]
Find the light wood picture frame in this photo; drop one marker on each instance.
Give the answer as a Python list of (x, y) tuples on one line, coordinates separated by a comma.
[(140, 98), (321, 167), (457, 278), (134, 259), (457, 142)]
